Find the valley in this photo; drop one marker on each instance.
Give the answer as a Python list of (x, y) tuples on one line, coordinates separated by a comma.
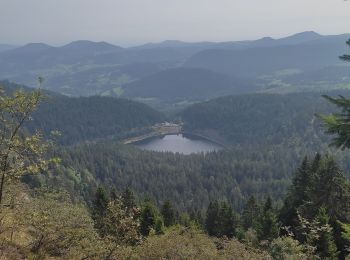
[(225, 145)]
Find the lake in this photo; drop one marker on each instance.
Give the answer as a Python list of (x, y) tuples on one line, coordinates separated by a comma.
[(178, 144)]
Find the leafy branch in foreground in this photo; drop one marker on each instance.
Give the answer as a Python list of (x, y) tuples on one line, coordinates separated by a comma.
[(339, 124), (20, 153)]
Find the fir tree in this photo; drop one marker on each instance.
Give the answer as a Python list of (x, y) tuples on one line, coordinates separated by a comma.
[(168, 214), (325, 246), (99, 210), (338, 123), (212, 218), (227, 221), (297, 194), (250, 213), (267, 226), (148, 218), (220, 220)]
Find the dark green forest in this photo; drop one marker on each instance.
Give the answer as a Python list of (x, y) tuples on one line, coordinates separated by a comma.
[(89, 118)]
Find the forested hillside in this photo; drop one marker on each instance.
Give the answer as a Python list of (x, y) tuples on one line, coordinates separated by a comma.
[(188, 181), (184, 84), (89, 118), (260, 118)]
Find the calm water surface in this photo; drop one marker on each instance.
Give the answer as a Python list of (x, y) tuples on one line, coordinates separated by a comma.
[(178, 144)]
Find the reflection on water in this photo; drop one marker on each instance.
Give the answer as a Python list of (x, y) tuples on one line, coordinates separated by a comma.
[(178, 144)]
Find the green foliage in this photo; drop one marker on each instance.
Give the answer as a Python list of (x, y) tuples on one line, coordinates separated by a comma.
[(267, 226), (190, 243), (168, 214), (338, 123), (149, 219), (117, 219), (49, 225), (99, 210), (220, 220), (188, 181), (319, 183), (122, 224), (319, 235), (159, 226), (318, 186), (258, 119), (83, 119), (128, 199), (250, 213), (345, 231), (20, 153), (287, 248)]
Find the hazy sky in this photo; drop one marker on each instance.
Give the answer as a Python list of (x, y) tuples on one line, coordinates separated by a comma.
[(129, 22)]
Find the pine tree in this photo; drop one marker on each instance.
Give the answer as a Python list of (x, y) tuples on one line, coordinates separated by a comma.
[(298, 193), (220, 220), (212, 218), (250, 213), (325, 246), (321, 184), (148, 218), (226, 221), (338, 124), (319, 235), (99, 210), (267, 226), (168, 214)]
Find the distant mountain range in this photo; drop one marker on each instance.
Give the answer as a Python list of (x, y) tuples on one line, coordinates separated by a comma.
[(192, 84), (6, 47), (260, 61), (178, 71)]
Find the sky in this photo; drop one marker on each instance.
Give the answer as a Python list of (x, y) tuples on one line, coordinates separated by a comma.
[(132, 22)]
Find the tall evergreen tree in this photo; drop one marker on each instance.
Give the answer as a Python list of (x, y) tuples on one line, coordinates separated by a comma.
[(148, 218), (220, 220), (250, 213), (212, 218), (168, 214), (99, 210), (267, 225), (227, 221), (297, 194), (325, 246), (323, 186), (338, 123), (319, 235)]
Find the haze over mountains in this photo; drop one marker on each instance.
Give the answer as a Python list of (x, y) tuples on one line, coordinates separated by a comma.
[(175, 71)]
